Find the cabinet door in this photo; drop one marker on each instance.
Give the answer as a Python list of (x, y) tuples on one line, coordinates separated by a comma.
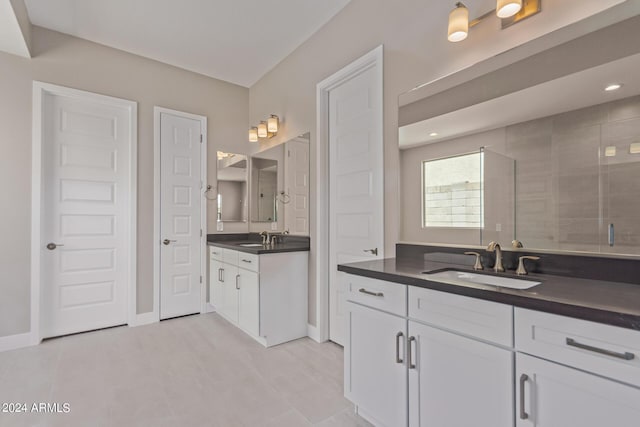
[(456, 381), (375, 370), (216, 286), (249, 305), (552, 395), (230, 292)]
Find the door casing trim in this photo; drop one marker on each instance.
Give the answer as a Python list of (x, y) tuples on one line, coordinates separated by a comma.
[(157, 111), (40, 89), (372, 59)]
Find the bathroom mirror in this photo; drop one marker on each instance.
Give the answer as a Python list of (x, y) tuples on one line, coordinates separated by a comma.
[(232, 187), (280, 187), (264, 188), (561, 138)]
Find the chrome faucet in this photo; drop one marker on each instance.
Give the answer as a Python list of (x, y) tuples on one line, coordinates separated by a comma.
[(265, 237), (495, 247)]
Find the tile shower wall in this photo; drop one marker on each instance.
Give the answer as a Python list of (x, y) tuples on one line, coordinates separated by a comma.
[(567, 190)]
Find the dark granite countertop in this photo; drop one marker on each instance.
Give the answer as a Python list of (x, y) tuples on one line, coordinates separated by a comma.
[(287, 246), (608, 302)]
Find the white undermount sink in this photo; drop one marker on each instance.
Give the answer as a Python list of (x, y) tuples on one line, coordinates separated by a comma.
[(456, 277), (251, 245)]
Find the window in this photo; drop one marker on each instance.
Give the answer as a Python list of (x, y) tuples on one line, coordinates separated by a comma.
[(453, 192)]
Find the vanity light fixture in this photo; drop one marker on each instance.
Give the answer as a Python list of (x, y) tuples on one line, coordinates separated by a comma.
[(613, 87), (266, 129), (610, 151), (508, 8), (253, 134), (458, 23), (634, 148), (509, 11), (262, 130), (272, 124)]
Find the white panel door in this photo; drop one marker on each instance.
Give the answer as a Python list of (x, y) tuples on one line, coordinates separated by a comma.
[(552, 395), (456, 381), (85, 234), (297, 181), (375, 376), (180, 216), (356, 202)]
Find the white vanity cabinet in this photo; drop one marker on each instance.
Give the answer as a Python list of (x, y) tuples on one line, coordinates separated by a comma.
[(264, 295), (454, 378), (576, 372), (410, 359)]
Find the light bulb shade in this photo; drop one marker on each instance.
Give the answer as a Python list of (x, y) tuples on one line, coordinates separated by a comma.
[(262, 130), (508, 8), (253, 135), (272, 124), (458, 23)]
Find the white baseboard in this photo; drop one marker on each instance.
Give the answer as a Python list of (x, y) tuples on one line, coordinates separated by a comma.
[(313, 332), (145, 319), (12, 342), (208, 308)]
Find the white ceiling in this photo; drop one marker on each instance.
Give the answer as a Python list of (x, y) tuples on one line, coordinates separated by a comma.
[(11, 37), (234, 40), (568, 93)]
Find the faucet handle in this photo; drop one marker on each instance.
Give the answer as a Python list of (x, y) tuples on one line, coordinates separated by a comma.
[(516, 244), (521, 271), (478, 264)]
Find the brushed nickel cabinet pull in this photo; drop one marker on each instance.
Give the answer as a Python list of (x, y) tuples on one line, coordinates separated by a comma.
[(373, 251), (219, 275), (375, 294), (222, 275), (523, 379), (624, 356), (246, 260), (409, 355), (398, 336), (238, 281)]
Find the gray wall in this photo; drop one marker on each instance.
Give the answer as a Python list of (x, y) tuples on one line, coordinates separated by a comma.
[(68, 61), (415, 53)]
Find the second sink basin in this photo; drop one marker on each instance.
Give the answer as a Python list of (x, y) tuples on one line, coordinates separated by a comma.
[(464, 277), (251, 245)]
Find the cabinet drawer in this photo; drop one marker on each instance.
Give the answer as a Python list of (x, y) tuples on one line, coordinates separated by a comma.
[(387, 296), (215, 253), (605, 350), (248, 261), (230, 256), (485, 320)]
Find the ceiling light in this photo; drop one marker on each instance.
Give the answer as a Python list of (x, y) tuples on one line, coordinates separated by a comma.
[(508, 8), (272, 124), (253, 134), (432, 134), (612, 87), (458, 23)]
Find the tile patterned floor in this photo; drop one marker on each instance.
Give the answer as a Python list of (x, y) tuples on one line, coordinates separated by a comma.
[(191, 371)]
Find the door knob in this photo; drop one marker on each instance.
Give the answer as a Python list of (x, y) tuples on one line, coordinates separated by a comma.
[(373, 251), (52, 246), (167, 241)]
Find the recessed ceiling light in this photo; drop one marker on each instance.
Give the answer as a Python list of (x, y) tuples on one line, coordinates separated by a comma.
[(612, 87), (432, 134)]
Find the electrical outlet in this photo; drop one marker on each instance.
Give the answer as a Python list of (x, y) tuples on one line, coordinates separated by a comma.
[(274, 226), (220, 226)]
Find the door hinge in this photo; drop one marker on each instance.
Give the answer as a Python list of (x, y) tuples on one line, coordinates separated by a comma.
[(288, 153), (200, 232), (200, 138), (200, 279)]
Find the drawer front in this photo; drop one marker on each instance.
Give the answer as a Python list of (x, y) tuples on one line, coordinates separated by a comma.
[(248, 261), (386, 296), (485, 320), (216, 253), (605, 350), (230, 256)]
